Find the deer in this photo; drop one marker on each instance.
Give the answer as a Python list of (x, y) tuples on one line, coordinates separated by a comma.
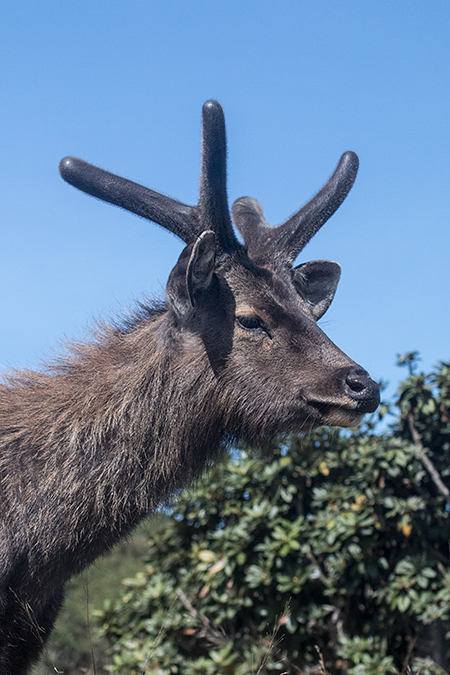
[(107, 433)]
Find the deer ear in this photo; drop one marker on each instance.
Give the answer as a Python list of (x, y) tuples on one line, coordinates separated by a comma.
[(192, 273), (316, 282)]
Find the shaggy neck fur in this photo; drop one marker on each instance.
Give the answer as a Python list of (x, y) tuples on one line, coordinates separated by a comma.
[(102, 440)]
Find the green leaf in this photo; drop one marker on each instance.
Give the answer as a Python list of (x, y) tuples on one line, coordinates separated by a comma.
[(403, 602)]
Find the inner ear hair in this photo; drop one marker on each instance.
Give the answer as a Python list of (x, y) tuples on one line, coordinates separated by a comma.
[(201, 264), (316, 282)]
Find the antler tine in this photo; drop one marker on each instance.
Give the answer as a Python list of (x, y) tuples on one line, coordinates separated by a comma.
[(285, 241), (248, 217), (295, 233), (213, 201), (142, 201), (187, 222)]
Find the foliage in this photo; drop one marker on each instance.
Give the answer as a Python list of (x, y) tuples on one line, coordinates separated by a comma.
[(330, 552)]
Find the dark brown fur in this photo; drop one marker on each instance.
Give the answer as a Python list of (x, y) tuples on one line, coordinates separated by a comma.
[(101, 438)]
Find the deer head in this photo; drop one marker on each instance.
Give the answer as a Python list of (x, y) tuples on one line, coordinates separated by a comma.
[(245, 305)]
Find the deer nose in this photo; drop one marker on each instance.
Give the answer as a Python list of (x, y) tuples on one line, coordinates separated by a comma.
[(362, 389)]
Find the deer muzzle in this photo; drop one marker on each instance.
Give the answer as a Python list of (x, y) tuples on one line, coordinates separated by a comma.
[(361, 389)]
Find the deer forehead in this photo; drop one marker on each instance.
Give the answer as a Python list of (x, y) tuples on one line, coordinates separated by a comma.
[(272, 298)]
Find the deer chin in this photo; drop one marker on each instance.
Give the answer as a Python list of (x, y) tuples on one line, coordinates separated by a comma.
[(331, 415), (343, 417)]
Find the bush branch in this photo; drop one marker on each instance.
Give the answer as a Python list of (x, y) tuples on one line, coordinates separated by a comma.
[(426, 461)]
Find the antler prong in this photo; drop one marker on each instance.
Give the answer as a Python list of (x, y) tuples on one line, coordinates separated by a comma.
[(297, 230), (142, 201), (187, 222), (213, 201), (287, 240)]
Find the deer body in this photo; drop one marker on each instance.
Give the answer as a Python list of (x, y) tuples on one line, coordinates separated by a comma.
[(108, 433)]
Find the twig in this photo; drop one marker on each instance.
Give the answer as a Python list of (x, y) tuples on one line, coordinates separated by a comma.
[(217, 637), (411, 645), (208, 629), (321, 662), (426, 461), (161, 632), (273, 641)]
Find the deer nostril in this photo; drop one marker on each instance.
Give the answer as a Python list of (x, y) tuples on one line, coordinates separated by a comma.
[(357, 379), (362, 389)]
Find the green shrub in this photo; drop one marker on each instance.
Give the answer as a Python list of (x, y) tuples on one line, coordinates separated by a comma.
[(330, 551)]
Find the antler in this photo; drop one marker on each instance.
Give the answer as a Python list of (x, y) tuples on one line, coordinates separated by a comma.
[(187, 222), (285, 241), (264, 243)]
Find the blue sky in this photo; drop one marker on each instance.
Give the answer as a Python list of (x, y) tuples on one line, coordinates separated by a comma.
[(121, 84)]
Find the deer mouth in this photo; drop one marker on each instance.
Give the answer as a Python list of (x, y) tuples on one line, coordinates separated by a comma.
[(316, 414), (340, 416), (349, 410)]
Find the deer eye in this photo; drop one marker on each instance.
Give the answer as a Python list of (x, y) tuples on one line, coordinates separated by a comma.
[(252, 322)]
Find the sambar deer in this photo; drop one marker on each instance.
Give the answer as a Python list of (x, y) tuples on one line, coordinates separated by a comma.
[(99, 439)]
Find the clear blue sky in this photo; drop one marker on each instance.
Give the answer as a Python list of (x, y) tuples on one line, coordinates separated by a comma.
[(121, 84)]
